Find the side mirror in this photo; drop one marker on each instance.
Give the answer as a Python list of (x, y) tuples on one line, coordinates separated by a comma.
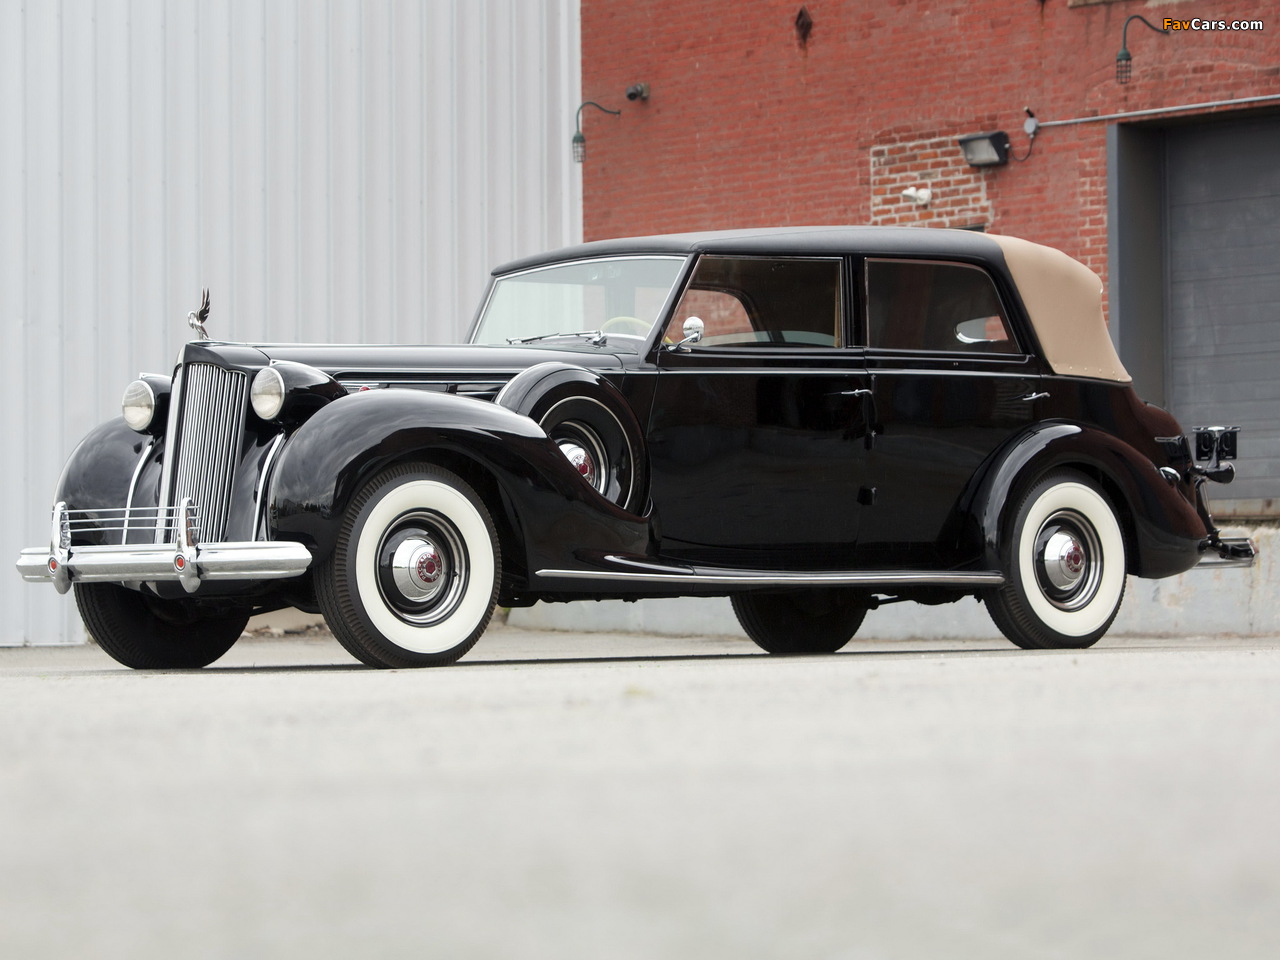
[(692, 331)]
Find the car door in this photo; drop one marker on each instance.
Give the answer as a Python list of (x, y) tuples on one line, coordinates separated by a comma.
[(757, 431), (952, 380)]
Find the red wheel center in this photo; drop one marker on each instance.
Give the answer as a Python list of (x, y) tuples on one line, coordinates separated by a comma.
[(1074, 560), (428, 568)]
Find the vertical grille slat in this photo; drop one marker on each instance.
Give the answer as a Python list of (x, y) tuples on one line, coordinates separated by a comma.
[(212, 429)]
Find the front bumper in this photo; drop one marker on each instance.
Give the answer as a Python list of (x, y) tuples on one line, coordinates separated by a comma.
[(184, 560)]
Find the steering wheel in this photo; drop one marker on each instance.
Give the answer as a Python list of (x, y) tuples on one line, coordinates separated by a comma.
[(629, 325)]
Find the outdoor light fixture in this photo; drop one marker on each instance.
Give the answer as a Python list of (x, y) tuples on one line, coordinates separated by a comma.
[(986, 149), (1124, 59), (579, 141)]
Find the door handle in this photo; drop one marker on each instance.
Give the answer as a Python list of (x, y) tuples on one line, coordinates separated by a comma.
[(1042, 395), (868, 398)]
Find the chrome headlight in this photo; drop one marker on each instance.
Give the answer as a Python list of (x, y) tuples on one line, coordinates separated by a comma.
[(288, 392), (267, 393), (138, 405)]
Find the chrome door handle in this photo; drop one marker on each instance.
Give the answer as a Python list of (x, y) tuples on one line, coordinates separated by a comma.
[(863, 392), (1035, 396)]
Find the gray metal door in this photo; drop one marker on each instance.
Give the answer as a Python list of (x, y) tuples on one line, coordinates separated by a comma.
[(1223, 296)]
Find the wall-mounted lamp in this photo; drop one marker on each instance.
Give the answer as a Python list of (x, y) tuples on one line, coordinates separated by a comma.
[(986, 149), (579, 141), (920, 196), (1124, 59)]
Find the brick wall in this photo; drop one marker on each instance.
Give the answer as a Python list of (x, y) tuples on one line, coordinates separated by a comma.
[(748, 125)]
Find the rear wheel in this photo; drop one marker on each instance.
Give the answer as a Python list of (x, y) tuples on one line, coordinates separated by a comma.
[(148, 633), (1064, 566), (414, 577), (803, 620)]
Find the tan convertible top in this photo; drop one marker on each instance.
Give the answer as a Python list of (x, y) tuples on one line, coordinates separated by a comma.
[(1063, 298)]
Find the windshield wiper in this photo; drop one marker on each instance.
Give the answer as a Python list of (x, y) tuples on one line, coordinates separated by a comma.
[(594, 337)]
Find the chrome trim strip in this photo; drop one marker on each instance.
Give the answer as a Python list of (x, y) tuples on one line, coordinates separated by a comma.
[(133, 485), (176, 399), (760, 578), (122, 563), (259, 488)]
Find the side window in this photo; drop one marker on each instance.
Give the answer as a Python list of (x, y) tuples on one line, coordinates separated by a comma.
[(926, 305), (751, 301)]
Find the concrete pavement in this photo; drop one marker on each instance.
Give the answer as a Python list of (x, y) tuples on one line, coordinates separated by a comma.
[(567, 795)]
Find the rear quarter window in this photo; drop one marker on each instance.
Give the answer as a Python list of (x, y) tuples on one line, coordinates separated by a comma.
[(935, 306)]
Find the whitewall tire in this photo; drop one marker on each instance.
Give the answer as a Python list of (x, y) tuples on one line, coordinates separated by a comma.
[(414, 577), (1064, 566)]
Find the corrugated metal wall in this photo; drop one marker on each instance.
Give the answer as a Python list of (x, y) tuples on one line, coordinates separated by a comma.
[(333, 170)]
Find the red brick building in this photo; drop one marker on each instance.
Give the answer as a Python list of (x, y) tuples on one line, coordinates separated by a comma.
[(775, 112)]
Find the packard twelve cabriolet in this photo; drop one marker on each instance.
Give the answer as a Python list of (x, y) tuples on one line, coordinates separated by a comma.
[(811, 421)]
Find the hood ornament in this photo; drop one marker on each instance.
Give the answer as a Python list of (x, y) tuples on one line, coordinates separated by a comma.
[(195, 320)]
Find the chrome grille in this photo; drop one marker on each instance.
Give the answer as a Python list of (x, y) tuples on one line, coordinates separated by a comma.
[(212, 427)]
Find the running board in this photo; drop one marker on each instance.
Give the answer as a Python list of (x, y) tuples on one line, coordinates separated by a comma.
[(617, 568)]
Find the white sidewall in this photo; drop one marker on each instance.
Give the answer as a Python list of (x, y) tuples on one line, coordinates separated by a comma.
[(474, 605), (1090, 504)]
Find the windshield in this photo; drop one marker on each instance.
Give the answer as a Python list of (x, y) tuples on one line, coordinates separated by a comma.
[(615, 302)]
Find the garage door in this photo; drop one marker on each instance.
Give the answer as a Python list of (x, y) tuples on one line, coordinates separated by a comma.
[(1223, 296)]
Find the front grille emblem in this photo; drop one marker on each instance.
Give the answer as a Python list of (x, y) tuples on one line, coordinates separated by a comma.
[(196, 319)]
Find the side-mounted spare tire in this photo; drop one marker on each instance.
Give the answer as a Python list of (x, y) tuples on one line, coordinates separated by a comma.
[(592, 424)]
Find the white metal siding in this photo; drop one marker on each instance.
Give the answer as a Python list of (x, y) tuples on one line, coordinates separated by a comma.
[(333, 170)]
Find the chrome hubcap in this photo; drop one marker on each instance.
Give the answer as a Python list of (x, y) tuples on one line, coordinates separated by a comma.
[(422, 567), (583, 448), (582, 461), (1068, 560), (1064, 560), (418, 569)]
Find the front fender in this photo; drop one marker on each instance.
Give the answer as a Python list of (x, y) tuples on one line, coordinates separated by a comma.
[(1164, 531), (100, 473), (549, 508)]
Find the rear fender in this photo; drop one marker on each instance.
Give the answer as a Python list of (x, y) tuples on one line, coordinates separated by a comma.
[(551, 511), (1162, 528)]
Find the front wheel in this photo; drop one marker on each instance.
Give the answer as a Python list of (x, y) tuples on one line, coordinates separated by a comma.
[(413, 579), (1064, 566), (148, 633), (801, 620)]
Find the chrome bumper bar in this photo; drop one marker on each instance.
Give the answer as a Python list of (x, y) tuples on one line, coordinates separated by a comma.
[(186, 561)]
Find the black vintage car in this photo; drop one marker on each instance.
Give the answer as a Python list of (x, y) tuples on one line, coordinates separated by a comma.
[(811, 421)]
